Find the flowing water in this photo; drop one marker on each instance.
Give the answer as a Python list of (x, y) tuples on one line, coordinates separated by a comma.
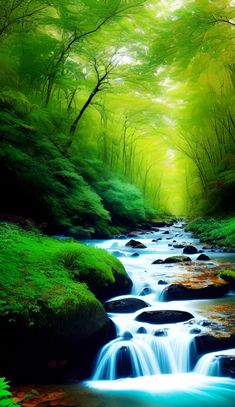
[(157, 364)]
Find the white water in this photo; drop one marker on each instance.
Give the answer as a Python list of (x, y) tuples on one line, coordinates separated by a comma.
[(165, 352)]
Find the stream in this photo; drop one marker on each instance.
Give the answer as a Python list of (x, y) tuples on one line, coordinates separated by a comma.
[(157, 364)]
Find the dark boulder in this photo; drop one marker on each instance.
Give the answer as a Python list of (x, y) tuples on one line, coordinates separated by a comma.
[(190, 250), (180, 292), (135, 244), (146, 291), (166, 232), (203, 257), (195, 331), (135, 254), (127, 336), (162, 282), (212, 343), (125, 305), (178, 246), (176, 259), (164, 316), (158, 261), (141, 330), (160, 332), (227, 365)]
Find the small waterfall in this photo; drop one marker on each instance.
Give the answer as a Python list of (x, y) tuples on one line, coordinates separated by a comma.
[(145, 355), (126, 358), (210, 364)]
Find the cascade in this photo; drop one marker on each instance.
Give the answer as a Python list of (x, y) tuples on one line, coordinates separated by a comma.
[(144, 349)]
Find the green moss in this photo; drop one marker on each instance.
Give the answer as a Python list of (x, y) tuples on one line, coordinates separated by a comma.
[(214, 230), (39, 273), (228, 275)]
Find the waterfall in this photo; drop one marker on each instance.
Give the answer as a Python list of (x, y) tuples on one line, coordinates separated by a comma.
[(145, 355), (210, 364)]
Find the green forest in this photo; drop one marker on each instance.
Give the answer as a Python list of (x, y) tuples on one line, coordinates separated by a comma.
[(115, 115)]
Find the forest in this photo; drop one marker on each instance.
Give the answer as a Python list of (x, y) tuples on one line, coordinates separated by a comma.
[(115, 116)]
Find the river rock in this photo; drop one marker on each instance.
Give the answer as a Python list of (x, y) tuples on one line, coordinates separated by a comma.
[(178, 246), (146, 291), (164, 316), (227, 365), (176, 259), (125, 305), (166, 232), (190, 250), (135, 254), (127, 336), (162, 282), (203, 257), (141, 330), (210, 342), (158, 261), (135, 244), (116, 253), (175, 292)]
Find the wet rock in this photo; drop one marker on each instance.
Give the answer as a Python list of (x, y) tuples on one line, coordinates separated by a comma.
[(164, 316), (229, 250), (135, 255), (158, 261), (177, 259), (127, 336), (141, 330), (166, 232), (203, 257), (160, 224), (227, 365), (159, 238), (154, 240), (169, 244), (146, 291), (116, 253), (190, 250), (125, 305), (207, 247), (195, 331), (214, 342), (186, 292), (178, 246), (135, 244), (160, 332), (162, 282)]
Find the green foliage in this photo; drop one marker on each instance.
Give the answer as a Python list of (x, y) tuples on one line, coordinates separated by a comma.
[(219, 231), (43, 279), (6, 399)]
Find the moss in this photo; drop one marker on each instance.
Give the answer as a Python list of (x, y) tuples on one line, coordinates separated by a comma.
[(214, 230), (228, 275), (44, 279)]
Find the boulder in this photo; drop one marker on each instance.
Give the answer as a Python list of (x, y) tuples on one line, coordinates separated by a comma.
[(146, 291), (127, 336), (135, 244), (125, 305), (158, 261), (227, 365), (203, 257), (176, 259), (166, 232), (178, 246), (190, 250), (175, 292), (210, 342), (141, 330), (160, 332), (116, 253), (164, 317), (135, 254), (162, 282)]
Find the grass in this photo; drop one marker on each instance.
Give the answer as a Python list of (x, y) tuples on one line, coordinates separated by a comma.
[(43, 278), (213, 230)]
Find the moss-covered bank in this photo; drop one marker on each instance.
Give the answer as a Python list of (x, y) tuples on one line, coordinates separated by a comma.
[(49, 302), (219, 231)]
